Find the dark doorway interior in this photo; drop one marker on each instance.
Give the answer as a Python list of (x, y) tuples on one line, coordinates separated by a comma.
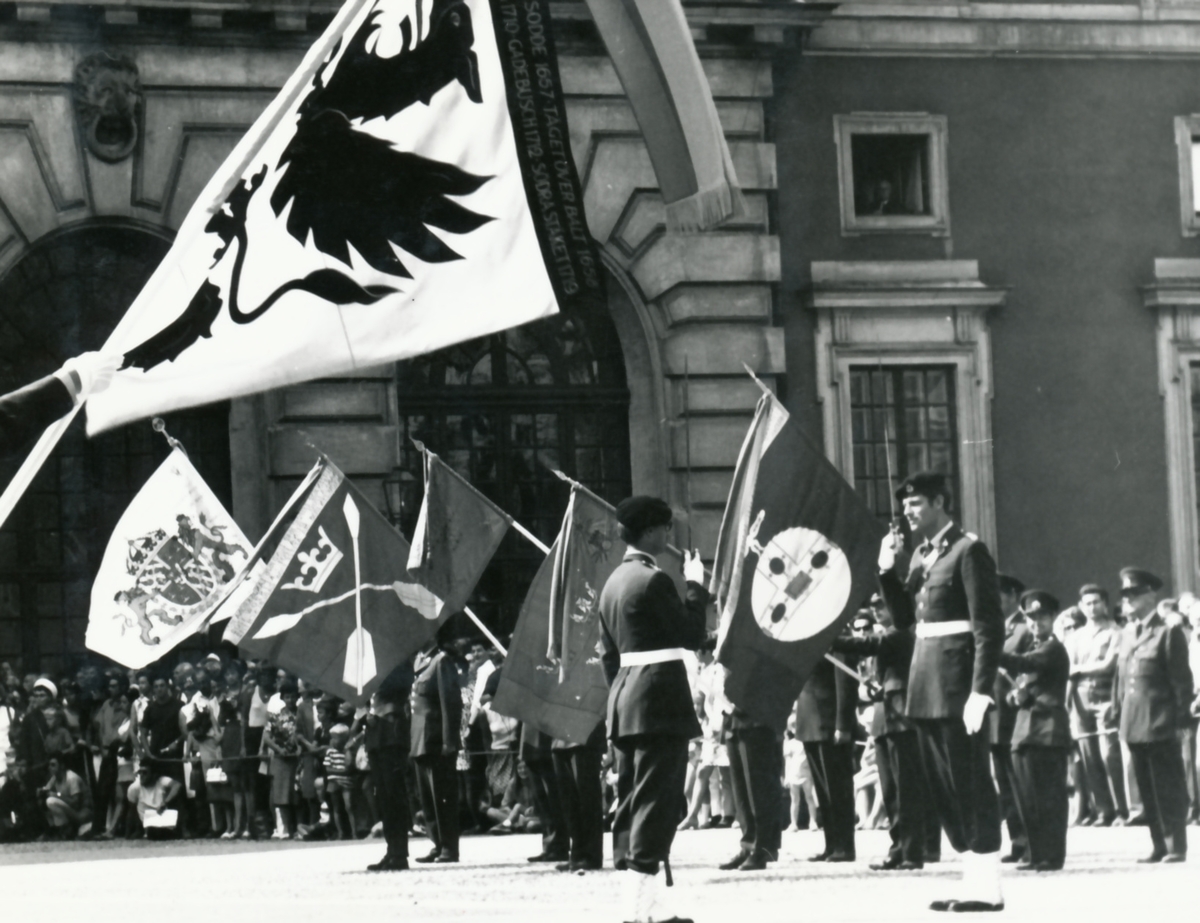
[(64, 297)]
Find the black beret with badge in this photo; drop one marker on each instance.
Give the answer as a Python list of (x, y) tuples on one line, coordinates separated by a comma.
[(928, 484), (639, 513)]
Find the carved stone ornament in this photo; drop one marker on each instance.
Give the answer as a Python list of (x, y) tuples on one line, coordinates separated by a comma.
[(108, 101)]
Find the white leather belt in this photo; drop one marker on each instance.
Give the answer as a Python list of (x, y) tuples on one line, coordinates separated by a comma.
[(941, 629), (641, 658)]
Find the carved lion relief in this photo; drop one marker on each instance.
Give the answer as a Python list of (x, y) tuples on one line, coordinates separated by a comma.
[(108, 101)]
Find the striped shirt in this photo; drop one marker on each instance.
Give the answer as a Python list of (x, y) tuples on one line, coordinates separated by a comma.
[(337, 764)]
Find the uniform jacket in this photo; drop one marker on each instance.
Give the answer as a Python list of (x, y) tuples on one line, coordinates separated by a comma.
[(959, 585), (1041, 694), (436, 707), (1154, 681), (388, 725), (640, 610), (1018, 639), (893, 652), (827, 703), (28, 411)]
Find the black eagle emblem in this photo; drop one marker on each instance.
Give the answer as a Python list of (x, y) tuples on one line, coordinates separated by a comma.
[(345, 187)]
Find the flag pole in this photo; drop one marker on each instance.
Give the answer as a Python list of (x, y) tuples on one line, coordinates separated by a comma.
[(583, 487), (37, 456), (482, 627), (687, 442), (537, 542)]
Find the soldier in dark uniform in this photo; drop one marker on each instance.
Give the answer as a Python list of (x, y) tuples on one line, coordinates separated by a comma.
[(951, 595), (436, 719), (1153, 692), (897, 752), (756, 771), (825, 722), (1041, 739), (387, 741), (644, 630), (1018, 639), (547, 799), (582, 791), (24, 413)]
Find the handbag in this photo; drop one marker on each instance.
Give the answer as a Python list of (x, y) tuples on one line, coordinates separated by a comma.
[(361, 761), (215, 775)]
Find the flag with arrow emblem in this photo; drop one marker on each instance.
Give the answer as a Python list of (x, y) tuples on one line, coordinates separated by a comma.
[(335, 604)]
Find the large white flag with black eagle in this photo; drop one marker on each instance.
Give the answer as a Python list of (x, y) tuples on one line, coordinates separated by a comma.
[(411, 187)]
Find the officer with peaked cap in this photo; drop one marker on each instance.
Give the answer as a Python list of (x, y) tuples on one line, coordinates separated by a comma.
[(1041, 736), (644, 630), (950, 593), (1152, 696)]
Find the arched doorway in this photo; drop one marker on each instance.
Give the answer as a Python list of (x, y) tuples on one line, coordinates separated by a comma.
[(505, 411), (64, 297)]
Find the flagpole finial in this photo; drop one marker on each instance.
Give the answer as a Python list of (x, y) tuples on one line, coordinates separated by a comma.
[(159, 425)]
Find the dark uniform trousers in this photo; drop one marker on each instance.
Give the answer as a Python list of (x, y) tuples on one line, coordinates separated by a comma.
[(1158, 767), (1040, 778), (832, 767), (437, 781), (1009, 797), (964, 797), (651, 770), (579, 782), (914, 828), (755, 763), (389, 777), (547, 801)]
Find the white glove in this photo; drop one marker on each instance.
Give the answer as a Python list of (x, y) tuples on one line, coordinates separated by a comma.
[(93, 370), (693, 568), (975, 711), (888, 549)]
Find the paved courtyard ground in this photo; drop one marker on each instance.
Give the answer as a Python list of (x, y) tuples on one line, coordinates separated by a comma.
[(217, 882)]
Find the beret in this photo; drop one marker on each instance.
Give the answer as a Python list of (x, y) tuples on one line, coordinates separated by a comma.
[(1134, 578), (926, 483), (637, 514), (1039, 602)]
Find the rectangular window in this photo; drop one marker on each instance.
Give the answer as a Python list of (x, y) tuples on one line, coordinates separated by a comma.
[(903, 421), (892, 173), (1187, 140)]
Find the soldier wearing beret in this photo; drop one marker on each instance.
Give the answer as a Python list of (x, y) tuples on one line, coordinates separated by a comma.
[(1153, 692), (644, 630), (1018, 639), (950, 594), (1041, 737), (387, 739), (435, 735)]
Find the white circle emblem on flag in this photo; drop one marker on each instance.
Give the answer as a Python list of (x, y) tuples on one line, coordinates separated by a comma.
[(801, 584)]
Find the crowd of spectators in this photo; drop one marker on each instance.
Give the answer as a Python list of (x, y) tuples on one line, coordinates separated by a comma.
[(216, 747), (213, 746)]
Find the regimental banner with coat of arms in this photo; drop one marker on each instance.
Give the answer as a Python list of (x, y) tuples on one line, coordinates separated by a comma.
[(168, 565)]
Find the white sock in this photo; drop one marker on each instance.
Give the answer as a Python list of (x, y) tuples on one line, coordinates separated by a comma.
[(981, 877)]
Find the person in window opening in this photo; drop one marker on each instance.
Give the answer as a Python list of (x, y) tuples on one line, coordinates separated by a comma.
[(950, 593), (644, 630)]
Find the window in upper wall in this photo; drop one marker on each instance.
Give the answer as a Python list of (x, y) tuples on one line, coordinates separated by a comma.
[(1187, 140), (892, 173), (902, 421)]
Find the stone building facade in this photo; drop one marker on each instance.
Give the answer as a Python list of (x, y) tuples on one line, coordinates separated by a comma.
[(113, 116)]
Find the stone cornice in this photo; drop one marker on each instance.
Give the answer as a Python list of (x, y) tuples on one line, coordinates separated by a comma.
[(895, 27), (718, 26)]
